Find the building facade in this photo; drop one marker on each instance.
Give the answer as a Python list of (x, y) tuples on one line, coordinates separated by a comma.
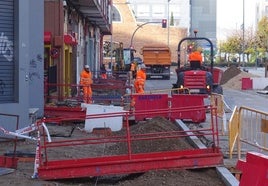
[(74, 33), (261, 10), (128, 30), (203, 18), (177, 12), (184, 17), (46, 42), (21, 61)]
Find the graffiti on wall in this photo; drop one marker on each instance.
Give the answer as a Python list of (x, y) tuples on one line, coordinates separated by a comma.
[(6, 47), (34, 73)]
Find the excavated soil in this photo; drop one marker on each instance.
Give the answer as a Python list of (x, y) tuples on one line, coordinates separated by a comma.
[(197, 177), (229, 74), (232, 77)]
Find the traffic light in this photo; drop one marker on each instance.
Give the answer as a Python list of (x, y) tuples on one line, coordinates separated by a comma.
[(189, 48), (164, 23)]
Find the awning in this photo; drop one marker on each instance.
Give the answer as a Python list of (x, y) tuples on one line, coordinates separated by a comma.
[(69, 39), (47, 37), (94, 12)]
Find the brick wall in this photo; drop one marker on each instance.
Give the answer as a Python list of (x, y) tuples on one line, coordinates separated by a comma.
[(147, 35)]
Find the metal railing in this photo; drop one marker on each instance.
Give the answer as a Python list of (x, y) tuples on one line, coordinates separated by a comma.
[(103, 91), (248, 129), (121, 152), (217, 101)]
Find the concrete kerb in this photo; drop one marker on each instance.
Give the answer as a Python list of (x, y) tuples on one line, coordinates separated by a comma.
[(227, 177)]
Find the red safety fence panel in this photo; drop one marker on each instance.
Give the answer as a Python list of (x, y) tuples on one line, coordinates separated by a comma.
[(8, 162), (149, 102), (192, 106), (247, 84), (254, 169)]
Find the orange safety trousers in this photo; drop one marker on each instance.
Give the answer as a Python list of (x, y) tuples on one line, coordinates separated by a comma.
[(140, 81), (104, 76), (87, 94), (86, 81), (139, 85)]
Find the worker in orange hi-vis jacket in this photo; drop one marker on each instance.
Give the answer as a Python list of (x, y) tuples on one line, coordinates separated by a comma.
[(196, 55), (103, 72), (85, 84), (140, 79)]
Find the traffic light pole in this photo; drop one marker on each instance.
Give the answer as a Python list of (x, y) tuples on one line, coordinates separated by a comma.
[(139, 26), (168, 21)]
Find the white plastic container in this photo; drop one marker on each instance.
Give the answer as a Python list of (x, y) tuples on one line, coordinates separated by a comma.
[(114, 123)]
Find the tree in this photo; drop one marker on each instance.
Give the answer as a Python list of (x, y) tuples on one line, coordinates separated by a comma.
[(233, 46), (262, 33)]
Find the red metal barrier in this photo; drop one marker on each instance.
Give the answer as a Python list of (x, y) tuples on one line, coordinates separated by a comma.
[(86, 162), (254, 169), (65, 99), (247, 84), (194, 102), (149, 102), (217, 75), (64, 112), (10, 161)]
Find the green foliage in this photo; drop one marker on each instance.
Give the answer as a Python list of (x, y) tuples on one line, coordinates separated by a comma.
[(262, 33), (255, 44)]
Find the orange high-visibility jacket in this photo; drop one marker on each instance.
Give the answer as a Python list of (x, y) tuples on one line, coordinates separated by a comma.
[(195, 56), (85, 78), (141, 75)]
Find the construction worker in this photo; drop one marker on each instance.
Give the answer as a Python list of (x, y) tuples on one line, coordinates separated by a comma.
[(103, 72), (85, 83), (196, 55), (140, 79)]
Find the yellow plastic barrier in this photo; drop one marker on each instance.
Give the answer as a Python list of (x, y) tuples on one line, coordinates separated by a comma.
[(249, 129), (217, 100)]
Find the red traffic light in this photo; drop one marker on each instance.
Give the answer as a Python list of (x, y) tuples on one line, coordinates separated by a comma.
[(164, 23), (189, 48)]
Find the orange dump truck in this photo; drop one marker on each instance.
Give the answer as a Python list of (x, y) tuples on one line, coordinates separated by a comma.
[(157, 60)]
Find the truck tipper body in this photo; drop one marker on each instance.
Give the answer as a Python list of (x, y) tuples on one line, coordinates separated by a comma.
[(157, 60)]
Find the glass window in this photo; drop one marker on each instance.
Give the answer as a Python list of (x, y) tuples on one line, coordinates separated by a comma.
[(115, 14), (158, 11), (143, 11)]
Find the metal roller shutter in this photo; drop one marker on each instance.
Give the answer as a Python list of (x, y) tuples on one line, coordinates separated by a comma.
[(7, 64)]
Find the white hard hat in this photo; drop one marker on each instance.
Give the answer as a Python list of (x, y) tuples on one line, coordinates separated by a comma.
[(86, 66)]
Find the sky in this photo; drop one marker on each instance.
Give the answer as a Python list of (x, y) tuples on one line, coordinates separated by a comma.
[(230, 16)]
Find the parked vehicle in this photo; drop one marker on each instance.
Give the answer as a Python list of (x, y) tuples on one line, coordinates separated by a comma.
[(157, 60), (123, 59)]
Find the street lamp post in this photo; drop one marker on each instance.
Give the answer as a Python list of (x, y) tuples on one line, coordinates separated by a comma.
[(243, 30), (168, 22), (139, 26)]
